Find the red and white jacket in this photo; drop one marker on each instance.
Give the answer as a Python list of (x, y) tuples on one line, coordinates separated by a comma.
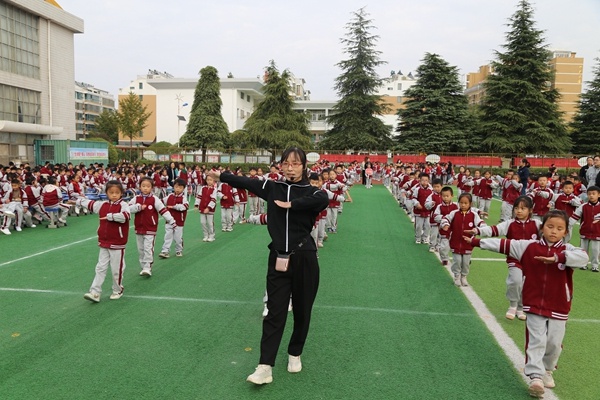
[(225, 190), (485, 188), (440, 211), (206, 197), (337, 188), (434, 200), (34, 195), (586, 214), (178, 205), (513, 229), (566, 203), (146, 219), (113, 231), (547, 288), (459, 222), (51, 196), (420, 195), (541, 200), (75, 190), (11, 196)]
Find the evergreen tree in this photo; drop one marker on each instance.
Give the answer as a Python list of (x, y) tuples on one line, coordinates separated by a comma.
[(354, 118), (586, 124), (106, 126), (436, 117), (132, 118), (206, 128), (274, 125), (519, 112)]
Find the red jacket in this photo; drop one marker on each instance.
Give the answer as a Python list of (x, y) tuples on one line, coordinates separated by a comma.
[(51, 196), (146, 220), (113, 231), (179, 207), (547, 288), (206, 197), (485, 188), (585, 214), (440, 212), (459, 222), (420, 194), (231, 193), (541, 200)]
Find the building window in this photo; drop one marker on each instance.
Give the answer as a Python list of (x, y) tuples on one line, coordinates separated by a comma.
[(141, 85), (390, 88), (399, 86), (248, 98), (242, 95), (399, 99), (47, 153), (19, 41), (19, 105), (141, 97)]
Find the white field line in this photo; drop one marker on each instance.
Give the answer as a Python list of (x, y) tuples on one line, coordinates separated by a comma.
[(504, 341), (46, 251)]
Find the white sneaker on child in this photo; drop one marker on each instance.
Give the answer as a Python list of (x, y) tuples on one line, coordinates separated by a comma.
[(146, 272), (463, 281), (6, 231), (536, 388), (265, 311), (93, 297), (262, 375), (457, 280), (511, 313), (163, 254), (18, 229), (116, 296), (548, 380)]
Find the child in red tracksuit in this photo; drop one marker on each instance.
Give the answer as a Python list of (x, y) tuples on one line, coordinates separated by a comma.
[(146, 207), (419, 194), (541, 195), (178, 205), (588, 215), (206, 202), (522, 227), (229, 198), (456, 223), (113, 233), (547, 293), (443, 209), (434, 200)]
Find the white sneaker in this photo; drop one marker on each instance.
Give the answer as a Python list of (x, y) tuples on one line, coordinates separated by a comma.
[(521, 315), (93, 297), (548, 380), (262, 375), (205, 239), (511, 313), (146, 272), (294, 364), (290, 306), (163, 254), (33, 226), (116, 296), (179, 254), (536, 388), (457, 280), (18, 229), (463, 281), (432, 249), (6, 231), (418, 241), (62, 220), (320, 244), (265, 311), (212, 239)]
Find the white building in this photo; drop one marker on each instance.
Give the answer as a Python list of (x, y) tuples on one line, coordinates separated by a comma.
[(393, 91), (318, 112), (36, 75), (170, 101), (90, 102)]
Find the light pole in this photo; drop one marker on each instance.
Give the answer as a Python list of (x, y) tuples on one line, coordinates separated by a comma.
[(180, 117)]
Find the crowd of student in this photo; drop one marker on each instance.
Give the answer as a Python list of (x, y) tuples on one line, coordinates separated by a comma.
[(537, 219)]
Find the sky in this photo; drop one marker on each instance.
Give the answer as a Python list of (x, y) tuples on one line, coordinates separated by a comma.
[(125, 38)]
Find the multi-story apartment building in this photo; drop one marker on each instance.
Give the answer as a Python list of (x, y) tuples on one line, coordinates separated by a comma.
[(36, 75), (568, 75), (90, 102), (393, 94)]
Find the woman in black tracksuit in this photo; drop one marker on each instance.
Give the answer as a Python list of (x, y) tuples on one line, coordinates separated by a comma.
[(292, 207)]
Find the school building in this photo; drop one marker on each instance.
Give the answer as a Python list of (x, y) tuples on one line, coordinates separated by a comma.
[(36, 76), (568, 77)]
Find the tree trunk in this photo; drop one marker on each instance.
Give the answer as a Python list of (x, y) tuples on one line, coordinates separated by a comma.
[(203, 154), (130, 148)]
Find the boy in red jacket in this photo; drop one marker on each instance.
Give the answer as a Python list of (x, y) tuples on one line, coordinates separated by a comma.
[(547, 292), (178, 205), (589, 230), (229, 198), (206, 202)]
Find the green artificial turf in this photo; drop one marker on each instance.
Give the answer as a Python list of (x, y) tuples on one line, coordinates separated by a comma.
[(387, 323)]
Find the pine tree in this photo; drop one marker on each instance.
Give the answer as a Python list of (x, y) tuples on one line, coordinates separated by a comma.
[(436, 117), (586, 123), (519, 112), (206, 128), (354, 118), (274, 125)]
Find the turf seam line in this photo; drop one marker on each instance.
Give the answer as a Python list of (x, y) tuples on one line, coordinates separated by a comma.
[(47, 251), (505, 342)]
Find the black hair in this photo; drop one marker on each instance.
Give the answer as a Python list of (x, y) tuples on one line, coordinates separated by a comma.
[(313, 176), (447, 189), (467, 195), (15, 181), (436, 181), (300, 154), (593, 189), (180, 182), (525, 200), (556, 214), (423, 174), (565, 183), (114, 183), (51, 180), (252, 168), (147, 178), (29, 180)]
